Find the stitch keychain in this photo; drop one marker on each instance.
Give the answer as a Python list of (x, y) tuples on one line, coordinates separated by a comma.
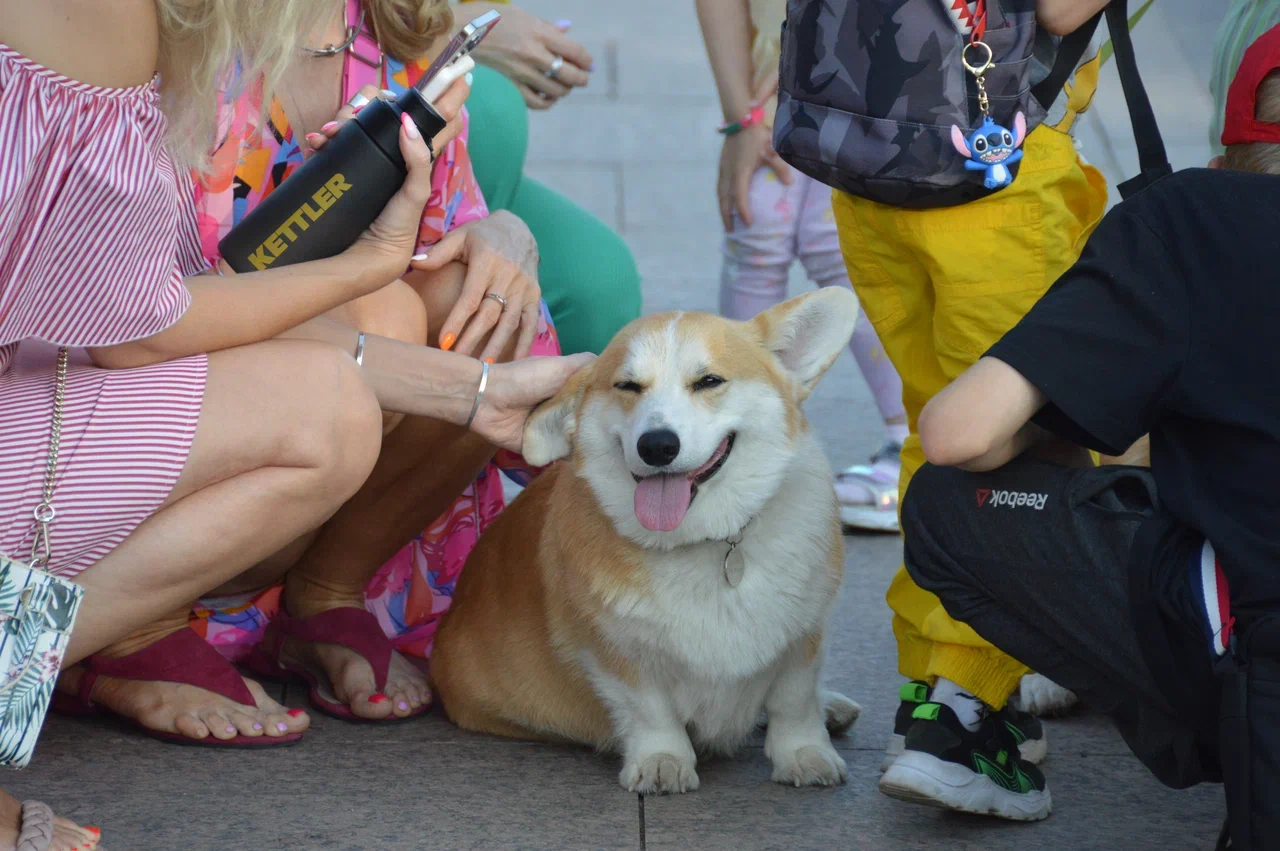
[(992, 148)]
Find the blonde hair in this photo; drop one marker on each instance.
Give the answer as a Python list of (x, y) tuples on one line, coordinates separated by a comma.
[(1260, 157), (205, 44)]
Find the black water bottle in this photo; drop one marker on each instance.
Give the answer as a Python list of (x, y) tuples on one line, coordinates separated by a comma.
[(325, 205)]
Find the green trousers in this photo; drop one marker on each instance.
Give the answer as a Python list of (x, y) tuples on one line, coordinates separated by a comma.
[(588, 276)]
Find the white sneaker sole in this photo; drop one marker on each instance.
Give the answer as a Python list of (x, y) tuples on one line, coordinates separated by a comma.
[(897, 744), (869, 517), (918, 778)]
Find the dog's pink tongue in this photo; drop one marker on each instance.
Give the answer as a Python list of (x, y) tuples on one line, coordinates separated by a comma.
[(661, 501)]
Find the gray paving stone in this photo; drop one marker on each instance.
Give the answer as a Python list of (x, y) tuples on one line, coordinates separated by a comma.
[(1099, 803), (404, 795), (625, 131)]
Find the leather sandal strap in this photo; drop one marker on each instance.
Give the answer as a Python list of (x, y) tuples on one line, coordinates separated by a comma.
[(347, 626), (183, 657)]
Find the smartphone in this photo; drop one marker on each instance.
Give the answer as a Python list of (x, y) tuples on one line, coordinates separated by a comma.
[(455, 60)]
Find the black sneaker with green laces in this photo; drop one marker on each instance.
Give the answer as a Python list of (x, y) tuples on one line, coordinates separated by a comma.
[(1025, 728), (945, 765)]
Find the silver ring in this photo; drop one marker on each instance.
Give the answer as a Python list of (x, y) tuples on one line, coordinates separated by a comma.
[(499, 299), (358, 101), (556, 65)]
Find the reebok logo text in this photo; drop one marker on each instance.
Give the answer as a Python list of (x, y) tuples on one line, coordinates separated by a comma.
[(1012, 499)]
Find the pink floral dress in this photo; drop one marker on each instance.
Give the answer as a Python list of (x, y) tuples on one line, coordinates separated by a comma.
[(411, 592)]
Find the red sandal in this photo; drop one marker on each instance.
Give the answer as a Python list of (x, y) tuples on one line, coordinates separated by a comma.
[(182, 657), (347, 626)]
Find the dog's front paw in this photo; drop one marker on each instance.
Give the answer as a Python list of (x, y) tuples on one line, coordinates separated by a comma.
[(1040, 695), (839, 712), (811, 765), (658, 774)]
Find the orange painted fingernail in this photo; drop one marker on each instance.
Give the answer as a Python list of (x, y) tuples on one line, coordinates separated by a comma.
[(294, 713), (446, 342), (488, 360), (378, 698)]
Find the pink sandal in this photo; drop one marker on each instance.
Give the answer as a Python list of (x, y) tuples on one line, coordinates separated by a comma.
[(183, 657), (348, 626)]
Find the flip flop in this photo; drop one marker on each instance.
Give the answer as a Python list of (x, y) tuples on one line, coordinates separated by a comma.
[(348, 626), (182, 657)]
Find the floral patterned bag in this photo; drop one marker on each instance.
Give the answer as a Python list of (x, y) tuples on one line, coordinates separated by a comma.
[(37, 612)]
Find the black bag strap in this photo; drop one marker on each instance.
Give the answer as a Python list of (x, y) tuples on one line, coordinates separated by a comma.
[(1153, 161), (1070, 51)]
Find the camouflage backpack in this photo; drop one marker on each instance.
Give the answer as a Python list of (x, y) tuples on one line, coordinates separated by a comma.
[(869, 91)]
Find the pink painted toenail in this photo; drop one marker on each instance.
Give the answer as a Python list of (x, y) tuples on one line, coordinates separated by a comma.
[(257, 726), (378, 698), (231, 729), (403, 705), (281, 726), (294, 713)]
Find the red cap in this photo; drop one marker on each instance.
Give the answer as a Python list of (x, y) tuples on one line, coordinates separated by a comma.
[(1241, 125)]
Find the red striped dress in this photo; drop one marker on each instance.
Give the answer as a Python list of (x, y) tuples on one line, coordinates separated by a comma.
[(97, 231)]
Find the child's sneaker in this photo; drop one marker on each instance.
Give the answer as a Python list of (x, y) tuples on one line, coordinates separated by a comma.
[(868, 493), (945, 765), (911, 695), (1026, 729)]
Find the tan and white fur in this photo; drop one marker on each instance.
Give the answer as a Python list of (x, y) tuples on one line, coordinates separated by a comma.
[(574, 621)]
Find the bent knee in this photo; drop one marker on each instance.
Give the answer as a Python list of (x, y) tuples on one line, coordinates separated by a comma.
[(396, 311), (437, 294), (339, 430)]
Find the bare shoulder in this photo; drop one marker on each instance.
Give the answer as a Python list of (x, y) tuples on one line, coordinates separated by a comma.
[(109, 43)]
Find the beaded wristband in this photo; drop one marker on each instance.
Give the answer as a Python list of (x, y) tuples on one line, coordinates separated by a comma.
[(755, 115)]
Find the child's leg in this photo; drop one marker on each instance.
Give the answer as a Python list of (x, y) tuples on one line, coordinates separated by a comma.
[(756, 258), (868, 492), (942, 286), (818, 245)]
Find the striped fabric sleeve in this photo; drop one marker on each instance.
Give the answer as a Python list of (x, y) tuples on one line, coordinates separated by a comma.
[(1245, 20), (96, 227)]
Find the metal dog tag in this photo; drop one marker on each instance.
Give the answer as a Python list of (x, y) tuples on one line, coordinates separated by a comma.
[(735, 564)]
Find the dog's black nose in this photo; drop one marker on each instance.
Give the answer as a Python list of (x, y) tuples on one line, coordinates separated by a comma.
[(658, 448)]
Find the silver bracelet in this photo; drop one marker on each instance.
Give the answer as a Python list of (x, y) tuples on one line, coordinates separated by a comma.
[(360, 349), (475, 406)]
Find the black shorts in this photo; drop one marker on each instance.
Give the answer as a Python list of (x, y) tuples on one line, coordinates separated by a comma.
[(1035, 558)]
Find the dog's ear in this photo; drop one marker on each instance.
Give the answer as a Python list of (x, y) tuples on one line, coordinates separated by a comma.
[(548, 433), (808, 333)]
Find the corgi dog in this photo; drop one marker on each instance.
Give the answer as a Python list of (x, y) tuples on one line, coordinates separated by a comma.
[(671, 579)]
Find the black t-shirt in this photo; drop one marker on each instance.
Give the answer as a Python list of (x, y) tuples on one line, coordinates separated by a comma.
[(1169, 323)]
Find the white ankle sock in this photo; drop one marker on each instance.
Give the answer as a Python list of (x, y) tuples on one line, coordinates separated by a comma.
[(968, 708)]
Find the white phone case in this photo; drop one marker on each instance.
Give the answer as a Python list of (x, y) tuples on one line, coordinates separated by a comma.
[(460, 67)]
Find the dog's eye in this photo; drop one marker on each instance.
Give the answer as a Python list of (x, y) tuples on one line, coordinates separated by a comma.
[(628, 387), (706, 382)]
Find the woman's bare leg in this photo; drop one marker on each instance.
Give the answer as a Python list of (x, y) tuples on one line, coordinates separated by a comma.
[(288, 432), (423, 467)]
